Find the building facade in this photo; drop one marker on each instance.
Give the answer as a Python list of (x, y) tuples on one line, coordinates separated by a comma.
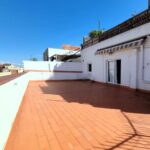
[(54, 54)]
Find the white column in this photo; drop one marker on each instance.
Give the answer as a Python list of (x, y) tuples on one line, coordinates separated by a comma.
[(133, 69)]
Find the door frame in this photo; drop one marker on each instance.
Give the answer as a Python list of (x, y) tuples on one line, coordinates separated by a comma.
[(115, 71)]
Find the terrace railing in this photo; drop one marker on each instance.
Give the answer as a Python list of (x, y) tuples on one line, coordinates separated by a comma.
[(131, 23)]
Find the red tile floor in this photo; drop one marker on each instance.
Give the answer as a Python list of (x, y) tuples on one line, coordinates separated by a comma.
[(81, 115)]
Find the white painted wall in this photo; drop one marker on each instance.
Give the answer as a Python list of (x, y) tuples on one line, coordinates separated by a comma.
[(55, 76), (132, 68), (52, 66), (11, 95)]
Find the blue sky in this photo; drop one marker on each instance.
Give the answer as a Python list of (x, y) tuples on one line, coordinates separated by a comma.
[(28, 27)]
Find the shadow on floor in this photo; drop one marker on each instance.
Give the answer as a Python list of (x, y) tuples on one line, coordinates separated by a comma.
[(99, 95), (105, 96)]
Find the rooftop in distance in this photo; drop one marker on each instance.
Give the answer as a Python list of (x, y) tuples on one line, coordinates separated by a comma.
[(70, 47)]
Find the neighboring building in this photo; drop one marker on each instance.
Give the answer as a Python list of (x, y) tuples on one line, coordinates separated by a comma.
[(67, 53), (4, 67), (70, 47), (10, 68), (120, 55)]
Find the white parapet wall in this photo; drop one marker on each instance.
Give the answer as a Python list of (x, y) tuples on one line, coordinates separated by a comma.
[(52, 66), (11, 95), (44, 70), (55, 76)]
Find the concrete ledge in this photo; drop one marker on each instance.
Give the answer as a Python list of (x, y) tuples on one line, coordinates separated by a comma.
[(11, 95)]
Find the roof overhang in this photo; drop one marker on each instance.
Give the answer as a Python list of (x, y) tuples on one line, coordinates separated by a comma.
[(126, 45)]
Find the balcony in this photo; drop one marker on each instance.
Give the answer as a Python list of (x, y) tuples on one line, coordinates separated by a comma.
[(131, 23)]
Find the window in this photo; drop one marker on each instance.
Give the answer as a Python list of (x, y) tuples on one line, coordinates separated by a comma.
[(90, 67)]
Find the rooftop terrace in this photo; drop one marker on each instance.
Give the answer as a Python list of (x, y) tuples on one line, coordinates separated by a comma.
[(81, 115), (131, 23)]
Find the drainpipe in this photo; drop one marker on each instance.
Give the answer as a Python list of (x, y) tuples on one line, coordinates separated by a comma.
[(143, 58)]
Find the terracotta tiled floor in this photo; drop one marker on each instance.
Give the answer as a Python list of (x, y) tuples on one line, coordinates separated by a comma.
[(79, 115)]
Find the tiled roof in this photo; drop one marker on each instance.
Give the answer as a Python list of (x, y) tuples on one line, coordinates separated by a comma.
[(70, 47)]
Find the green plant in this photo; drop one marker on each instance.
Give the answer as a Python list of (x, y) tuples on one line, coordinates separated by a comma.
[(95, 33), (34, 59)]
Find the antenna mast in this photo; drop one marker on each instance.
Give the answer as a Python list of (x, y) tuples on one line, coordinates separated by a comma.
[(99, 24)]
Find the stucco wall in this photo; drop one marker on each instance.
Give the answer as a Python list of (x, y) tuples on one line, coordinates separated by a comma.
[(52, 66), (131, 59), (55, 76), (11, 95), (54, 70)]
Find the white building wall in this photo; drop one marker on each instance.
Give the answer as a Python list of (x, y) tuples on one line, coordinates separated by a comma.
[(131, 60)]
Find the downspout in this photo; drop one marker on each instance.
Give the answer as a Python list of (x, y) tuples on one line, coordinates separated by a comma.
[(143, 58)]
